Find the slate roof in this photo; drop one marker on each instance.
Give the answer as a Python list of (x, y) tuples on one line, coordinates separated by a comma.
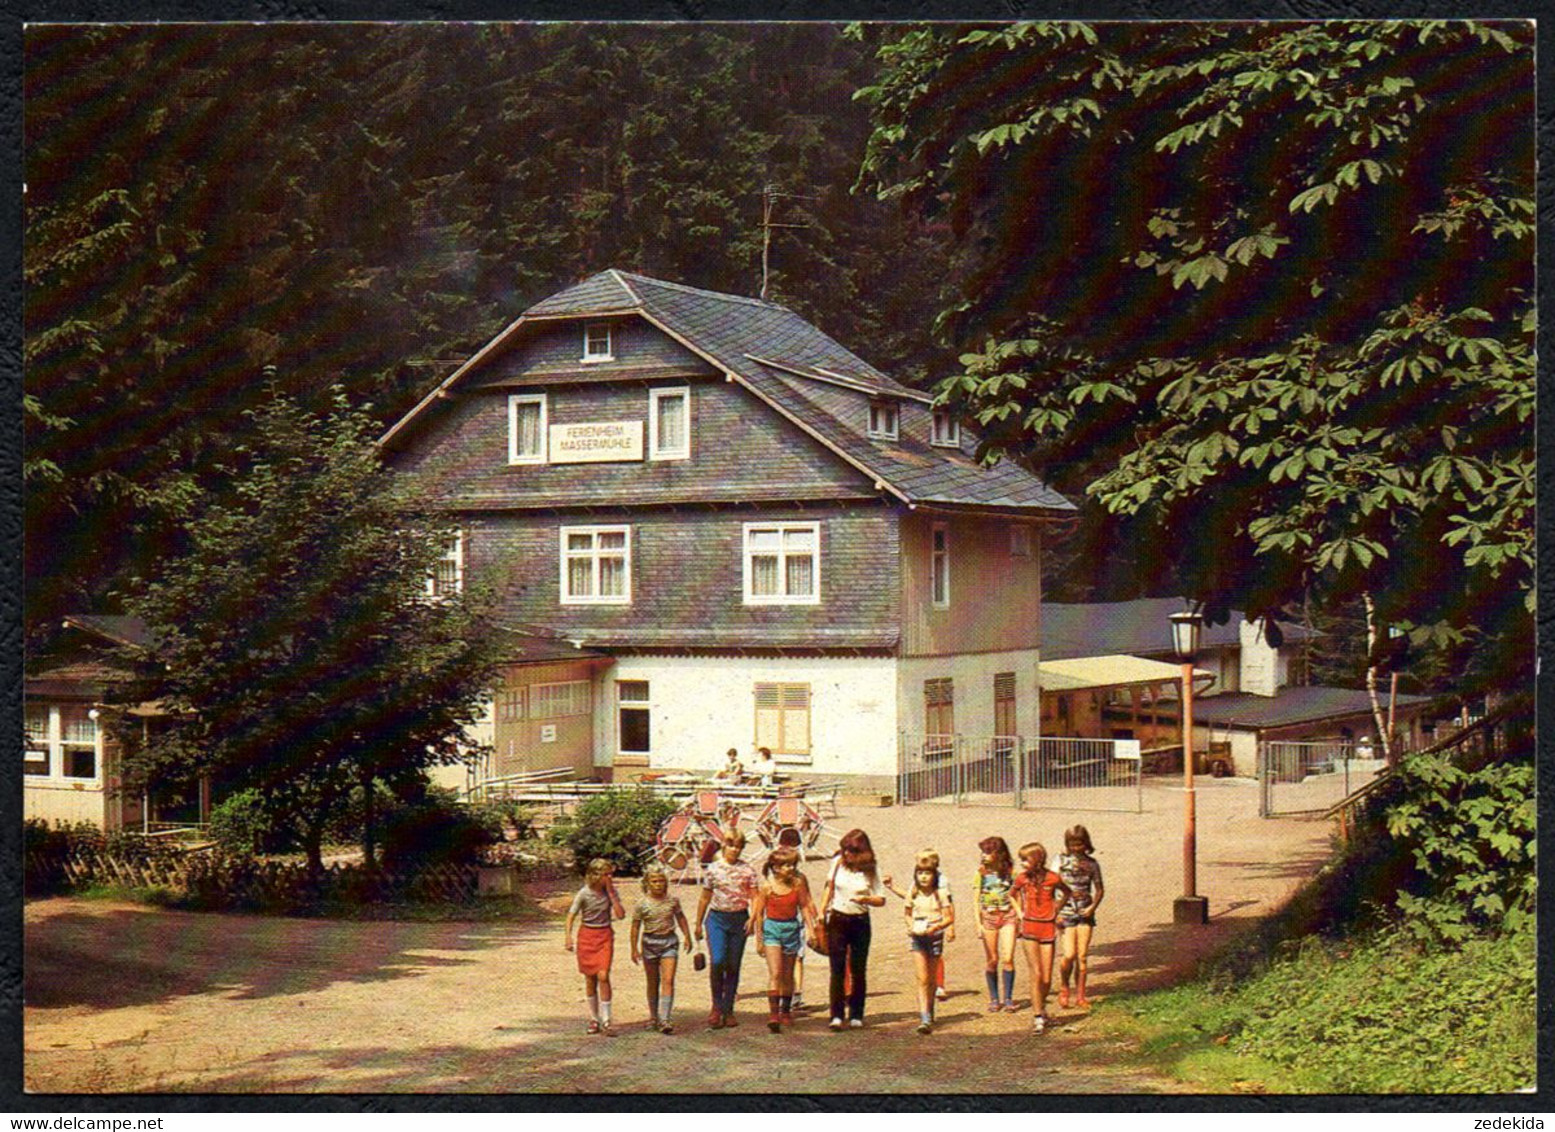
[(819, 384), (1293, 705), (1136, 628)]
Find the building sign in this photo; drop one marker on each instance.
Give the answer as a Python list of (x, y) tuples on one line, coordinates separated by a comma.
[(595, 443)]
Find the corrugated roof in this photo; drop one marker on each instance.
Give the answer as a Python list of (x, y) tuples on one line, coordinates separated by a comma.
[(1139, 628), (1292, 705), (534, 646), (1107, 672)]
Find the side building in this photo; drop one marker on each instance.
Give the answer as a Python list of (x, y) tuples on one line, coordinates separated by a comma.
[(711, 526)]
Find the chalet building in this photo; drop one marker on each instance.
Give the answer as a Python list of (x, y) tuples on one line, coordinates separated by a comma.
[(1108, 671), (70, 761), (712, 526)]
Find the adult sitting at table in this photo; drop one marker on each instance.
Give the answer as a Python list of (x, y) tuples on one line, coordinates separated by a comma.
[(764, 769), (733, 770)]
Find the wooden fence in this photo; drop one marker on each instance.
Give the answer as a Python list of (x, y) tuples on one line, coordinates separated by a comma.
[(222, 882)]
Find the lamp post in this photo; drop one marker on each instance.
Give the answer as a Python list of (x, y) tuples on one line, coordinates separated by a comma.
[(1190, 907)]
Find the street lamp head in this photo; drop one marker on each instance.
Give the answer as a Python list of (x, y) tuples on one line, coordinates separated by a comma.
[(1186, 627)]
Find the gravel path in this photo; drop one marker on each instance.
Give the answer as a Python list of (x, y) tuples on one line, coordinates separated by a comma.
[(120, 997)]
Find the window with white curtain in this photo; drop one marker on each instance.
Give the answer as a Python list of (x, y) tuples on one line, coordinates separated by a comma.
[(669, 424), (447, 576), (526, 428), (596, 565), (782, 563)]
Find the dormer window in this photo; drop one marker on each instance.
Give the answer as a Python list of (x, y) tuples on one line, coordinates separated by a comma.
[(945, 430), (882, 420), (596, 343)]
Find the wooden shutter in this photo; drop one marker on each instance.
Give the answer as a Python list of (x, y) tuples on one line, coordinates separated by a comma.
[(783, 718)]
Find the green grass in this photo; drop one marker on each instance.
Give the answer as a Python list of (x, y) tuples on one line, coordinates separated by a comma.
[(1367, 1015)]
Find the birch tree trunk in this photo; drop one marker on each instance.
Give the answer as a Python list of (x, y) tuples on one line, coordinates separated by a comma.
[(1372, 630)]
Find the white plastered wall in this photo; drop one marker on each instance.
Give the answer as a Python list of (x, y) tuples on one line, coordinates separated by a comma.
[(481, 733), (64, 802), (1260, 662), (972, 675), (700, 706)]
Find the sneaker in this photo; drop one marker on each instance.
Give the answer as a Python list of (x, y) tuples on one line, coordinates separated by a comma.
[(994, 1006), (730, 1021), (786, 1018), (836, 1023), (798, 1003), (667, 1028), (856, 1023), (774, 1023), (939, 993), (925, 1028), (1039, 1024), (593, 1028), (715, 1020)]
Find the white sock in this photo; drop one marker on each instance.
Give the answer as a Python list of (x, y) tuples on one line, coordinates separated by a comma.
[(604, 1012), (666, 1008), (593, 1001)]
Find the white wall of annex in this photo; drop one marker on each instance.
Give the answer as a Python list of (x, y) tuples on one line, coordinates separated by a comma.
[(700, 706), (64, 802), (972, 674)]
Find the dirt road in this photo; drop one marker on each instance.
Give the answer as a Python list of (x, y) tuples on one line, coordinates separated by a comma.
[(121, 997)]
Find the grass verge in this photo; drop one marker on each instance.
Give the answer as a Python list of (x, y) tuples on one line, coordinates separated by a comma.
[(1370, 1014)]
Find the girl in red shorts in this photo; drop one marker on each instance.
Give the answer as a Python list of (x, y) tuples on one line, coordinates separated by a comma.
[(1038, 893)]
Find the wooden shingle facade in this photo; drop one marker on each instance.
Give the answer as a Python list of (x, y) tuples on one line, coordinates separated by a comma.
[(756, 537)]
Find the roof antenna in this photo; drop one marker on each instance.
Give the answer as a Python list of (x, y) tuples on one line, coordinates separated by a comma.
[(769, 198)]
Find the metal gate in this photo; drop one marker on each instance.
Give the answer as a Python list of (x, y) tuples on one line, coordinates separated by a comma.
[(1010, 770), (1310, 777)]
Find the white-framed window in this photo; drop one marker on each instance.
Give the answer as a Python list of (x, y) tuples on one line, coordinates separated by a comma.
[(939, 567), (944, 430), (783, 720), (883, 420), (633, 718), (35, 753), (1020, 541), (597, 343), (669, 423), (557, 701), (447, 576), (596, 565), (526, 428), (63, 742), (782, 563)]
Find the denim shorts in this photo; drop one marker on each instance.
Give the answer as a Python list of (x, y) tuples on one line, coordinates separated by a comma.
[(656, 947), (786, 934), (932, 945)]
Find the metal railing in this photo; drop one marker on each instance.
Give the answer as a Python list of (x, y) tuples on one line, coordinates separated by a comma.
[(1011, 770), (1309, 777)]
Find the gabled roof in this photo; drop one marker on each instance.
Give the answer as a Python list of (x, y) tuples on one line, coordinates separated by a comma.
[(804, 375), (1136, 628), (118, 629)]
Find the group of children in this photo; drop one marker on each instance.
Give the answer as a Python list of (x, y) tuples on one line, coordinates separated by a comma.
[(1047, 910)]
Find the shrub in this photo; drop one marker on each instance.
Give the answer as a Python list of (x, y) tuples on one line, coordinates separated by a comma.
[(240, 825), (436, 831), (618, 825)]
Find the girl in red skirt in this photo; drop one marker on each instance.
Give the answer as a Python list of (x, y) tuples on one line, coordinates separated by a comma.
[(1038, 893), (596, 904)]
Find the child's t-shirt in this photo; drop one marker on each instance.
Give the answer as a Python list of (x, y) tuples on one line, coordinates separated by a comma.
[(993, 891), (926, 908), (1083, 876), (657, 914), (1035, 898), (594, 907)]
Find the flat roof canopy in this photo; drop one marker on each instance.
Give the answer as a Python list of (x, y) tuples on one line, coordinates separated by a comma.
[(1085, 672)]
